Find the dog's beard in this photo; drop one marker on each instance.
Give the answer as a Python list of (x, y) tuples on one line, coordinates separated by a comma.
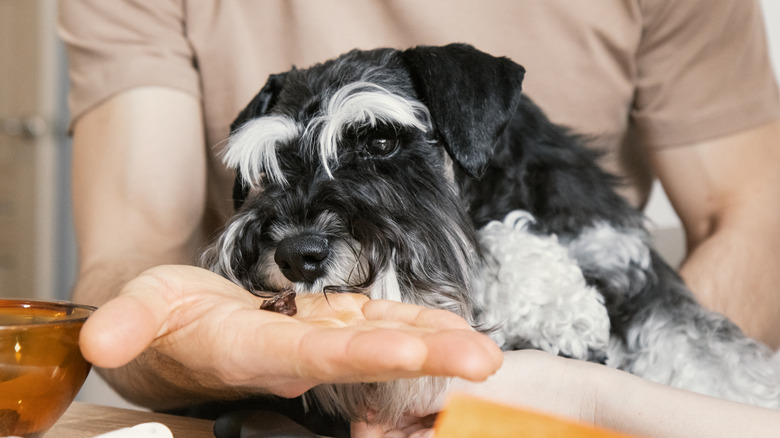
[(381, 402), (431, 264)]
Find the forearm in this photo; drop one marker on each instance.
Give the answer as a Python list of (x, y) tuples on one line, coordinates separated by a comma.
[(727, 194), (732, 264), (139, 189), (616, 400), (735, 271), (630, 404)]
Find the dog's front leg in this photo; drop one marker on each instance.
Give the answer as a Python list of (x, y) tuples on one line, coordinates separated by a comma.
[(533, 295)]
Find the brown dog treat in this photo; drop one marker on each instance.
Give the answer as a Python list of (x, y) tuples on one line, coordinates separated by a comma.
[(283, 302)]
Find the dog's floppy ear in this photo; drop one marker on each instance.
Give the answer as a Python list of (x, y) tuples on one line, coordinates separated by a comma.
[(261, 103), (471, 96), (258, 106)]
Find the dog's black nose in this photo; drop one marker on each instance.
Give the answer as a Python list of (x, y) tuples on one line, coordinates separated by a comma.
[(302, 257)]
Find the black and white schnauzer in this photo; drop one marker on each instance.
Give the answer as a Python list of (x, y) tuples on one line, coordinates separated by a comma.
[(423, 176)]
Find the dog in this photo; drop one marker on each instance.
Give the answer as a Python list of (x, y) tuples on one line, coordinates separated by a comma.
[(426, 176)]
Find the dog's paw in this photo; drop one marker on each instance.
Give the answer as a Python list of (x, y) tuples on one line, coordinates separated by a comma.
[(535, 295)]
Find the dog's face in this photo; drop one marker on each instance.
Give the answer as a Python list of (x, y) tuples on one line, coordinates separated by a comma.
[(347, 175)]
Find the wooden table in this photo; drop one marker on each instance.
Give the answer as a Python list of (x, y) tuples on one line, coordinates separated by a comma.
[(83, 420)]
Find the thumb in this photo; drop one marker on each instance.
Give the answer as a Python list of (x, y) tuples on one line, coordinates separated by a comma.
[(121, 329), (118, 331)]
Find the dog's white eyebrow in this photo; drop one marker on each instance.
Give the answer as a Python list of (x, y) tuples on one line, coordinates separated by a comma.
[(252, 148), (364, 103)]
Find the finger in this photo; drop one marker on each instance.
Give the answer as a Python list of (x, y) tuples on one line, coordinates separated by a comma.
[(470, 355), (454, 349), (363, 354), (403, 340), (359, 354), (263, 349), (413, 315), (383, 348)]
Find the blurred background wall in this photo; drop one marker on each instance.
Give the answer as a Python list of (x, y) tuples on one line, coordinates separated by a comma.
[(37, 249), (32, 153)]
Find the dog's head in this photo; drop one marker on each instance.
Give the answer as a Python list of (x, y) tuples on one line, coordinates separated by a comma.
[(346, 174)]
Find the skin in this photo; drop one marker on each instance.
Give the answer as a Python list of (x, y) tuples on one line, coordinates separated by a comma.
[(727, 194), (586, 392), (167, 334)]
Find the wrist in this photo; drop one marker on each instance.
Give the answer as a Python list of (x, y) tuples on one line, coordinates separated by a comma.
[(539, 381)]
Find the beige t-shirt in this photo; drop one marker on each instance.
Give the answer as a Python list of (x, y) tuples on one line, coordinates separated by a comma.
[(632, 74)]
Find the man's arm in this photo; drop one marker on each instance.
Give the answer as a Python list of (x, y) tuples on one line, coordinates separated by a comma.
[(170, 335), (139, 177), (139, 194), (595, 394), (727, 194)]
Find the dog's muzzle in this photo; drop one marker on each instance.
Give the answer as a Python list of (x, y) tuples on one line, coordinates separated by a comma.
[(303, 257)]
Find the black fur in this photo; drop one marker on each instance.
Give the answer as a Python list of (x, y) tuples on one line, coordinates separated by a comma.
[(410, 211)]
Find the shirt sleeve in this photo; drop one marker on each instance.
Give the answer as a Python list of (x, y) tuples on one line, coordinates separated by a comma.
[(116, 45), (703, 71)]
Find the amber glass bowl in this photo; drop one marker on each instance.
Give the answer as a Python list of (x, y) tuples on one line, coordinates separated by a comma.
[(41, 367)]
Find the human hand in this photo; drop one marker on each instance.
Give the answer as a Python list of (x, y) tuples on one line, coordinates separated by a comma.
[(590, 393), (527, 378), (214, 328)]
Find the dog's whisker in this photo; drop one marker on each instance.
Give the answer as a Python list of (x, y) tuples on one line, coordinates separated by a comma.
[(344, 289), (362, 271)]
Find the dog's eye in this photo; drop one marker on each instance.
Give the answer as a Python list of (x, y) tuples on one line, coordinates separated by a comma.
[(381, 146)]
